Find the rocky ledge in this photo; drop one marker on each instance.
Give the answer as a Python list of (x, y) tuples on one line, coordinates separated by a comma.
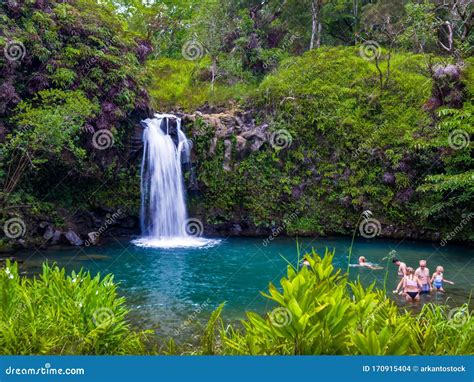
[(237, 129), (83, 228)]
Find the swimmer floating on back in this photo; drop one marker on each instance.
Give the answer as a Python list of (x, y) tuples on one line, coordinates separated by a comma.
[(363, 263)]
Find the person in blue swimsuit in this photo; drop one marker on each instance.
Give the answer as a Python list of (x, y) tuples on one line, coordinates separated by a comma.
[(438, 279)]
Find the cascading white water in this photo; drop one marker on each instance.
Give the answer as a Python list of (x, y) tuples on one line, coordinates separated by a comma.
[(163, 210)]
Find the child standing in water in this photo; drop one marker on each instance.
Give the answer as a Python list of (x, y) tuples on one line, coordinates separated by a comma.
[(438, 279)]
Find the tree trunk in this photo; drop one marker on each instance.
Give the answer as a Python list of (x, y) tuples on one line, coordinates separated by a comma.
[(355, 9), (320, 30), (213, 71), (449, 37), (466, 16), (313, 25), (377, 65), (316, 25)]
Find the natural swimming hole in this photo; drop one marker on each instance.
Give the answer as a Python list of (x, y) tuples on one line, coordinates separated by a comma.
[(173, 291)]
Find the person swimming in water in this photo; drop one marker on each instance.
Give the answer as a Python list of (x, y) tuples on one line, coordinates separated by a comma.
[(363, 263), (438, 279), (411, 286)]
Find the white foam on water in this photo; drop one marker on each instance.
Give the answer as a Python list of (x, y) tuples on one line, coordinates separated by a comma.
[(175, 242)]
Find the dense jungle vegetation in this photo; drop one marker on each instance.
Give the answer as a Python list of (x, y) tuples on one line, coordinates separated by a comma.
[(374, 99)]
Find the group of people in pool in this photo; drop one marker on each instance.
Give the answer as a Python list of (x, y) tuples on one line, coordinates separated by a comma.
[(413, 283)]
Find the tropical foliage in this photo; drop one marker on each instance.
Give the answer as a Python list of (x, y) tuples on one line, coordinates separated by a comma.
[(67, 71), (56, 313)]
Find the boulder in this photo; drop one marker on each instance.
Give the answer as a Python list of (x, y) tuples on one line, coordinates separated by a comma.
[(73, 238), (93, 238), (48, 233), (241, 143), (56, 237), (235, 229)]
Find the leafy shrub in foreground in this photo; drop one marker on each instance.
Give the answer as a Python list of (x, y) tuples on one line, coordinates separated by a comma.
[(320, 312), (59, 314)]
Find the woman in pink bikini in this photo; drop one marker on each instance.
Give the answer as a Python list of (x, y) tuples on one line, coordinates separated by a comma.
[(411, 286)]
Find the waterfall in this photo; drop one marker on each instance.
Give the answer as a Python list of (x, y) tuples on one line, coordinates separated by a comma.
[(163, 214)]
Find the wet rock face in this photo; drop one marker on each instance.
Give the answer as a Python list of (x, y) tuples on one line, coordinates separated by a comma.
[(169, 126), (227, 155), (49, 233), (238, 130)]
